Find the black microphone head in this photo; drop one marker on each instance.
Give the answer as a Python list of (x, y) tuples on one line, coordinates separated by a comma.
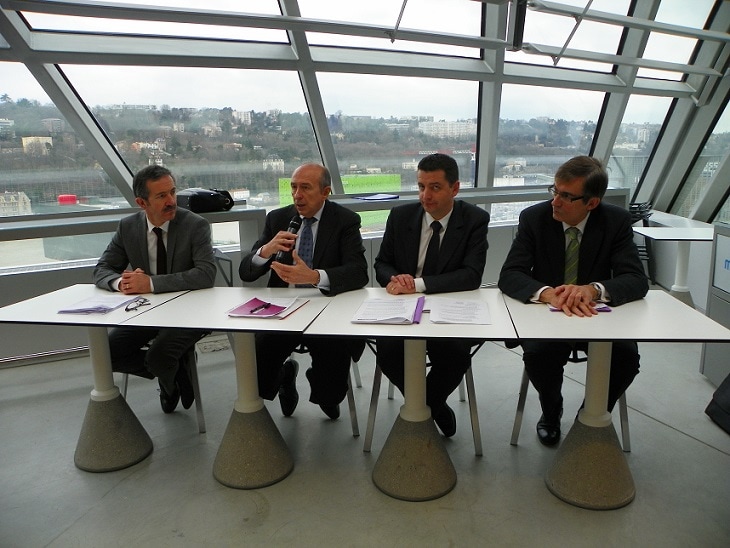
[(294, 224)]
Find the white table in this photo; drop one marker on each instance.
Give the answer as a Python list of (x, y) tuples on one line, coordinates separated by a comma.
[(683, 236), (590, 469), (413, 464), (252, 453), (111, 436)]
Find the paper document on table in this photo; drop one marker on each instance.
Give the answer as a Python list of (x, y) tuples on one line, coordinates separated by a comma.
[(446, 310), (393, 310), (267, 308), (99, 304)]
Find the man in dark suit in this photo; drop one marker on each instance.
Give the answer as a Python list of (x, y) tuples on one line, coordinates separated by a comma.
[(338, 264), (538, 268), (405, 265), (157, 250)]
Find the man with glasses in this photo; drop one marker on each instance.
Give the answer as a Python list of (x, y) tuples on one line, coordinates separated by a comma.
[(572, 252), (157, 250)]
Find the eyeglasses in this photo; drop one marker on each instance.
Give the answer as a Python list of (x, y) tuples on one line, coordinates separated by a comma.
[(136, 303), (565, 196)]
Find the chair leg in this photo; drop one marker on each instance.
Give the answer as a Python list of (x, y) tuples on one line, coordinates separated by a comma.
[(624, 414), (377, 377), (125, 384), (196, 391), (391, 390), (356, 374), (462, 391), (353, 409), (524, 386), (475, 430)]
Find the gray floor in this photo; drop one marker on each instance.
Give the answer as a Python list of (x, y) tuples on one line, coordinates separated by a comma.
[(680, 463)]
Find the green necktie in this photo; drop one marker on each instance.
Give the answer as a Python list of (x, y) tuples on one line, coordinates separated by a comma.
[(571, 256)]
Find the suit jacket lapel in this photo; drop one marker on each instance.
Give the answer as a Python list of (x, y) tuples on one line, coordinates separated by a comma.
[(413, 239), (454, 233), (591, 242), (324, 233), (142, 235)]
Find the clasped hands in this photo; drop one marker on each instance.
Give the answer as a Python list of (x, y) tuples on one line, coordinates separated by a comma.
[(571, 299), (135, 282), (401, 284)]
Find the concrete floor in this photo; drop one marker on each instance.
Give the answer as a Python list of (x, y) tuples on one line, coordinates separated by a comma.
[(680, 462)]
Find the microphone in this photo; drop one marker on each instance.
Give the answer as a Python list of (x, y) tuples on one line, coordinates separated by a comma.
[(285, 257)]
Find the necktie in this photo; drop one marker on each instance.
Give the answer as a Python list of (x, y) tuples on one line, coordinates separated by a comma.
[(571, 256), (161, 252), (306, 241), (432, 251)]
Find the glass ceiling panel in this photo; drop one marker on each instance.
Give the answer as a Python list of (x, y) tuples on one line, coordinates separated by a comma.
[(462, 17), (554, 30), (458, 17), (40, 21)]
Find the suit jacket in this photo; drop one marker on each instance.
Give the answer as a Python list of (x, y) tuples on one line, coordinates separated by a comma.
[(607, 254), (338, 249), (190, 260), (462, 255)]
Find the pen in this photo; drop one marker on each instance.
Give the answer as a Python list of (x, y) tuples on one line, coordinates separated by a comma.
[(260, 307)]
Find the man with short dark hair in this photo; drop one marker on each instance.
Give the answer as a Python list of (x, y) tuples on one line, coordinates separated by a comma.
[(572, 252), (333, 262), (434, 246), (157, 250)]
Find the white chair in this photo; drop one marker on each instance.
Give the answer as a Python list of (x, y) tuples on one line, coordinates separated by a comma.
[(468, 381), (524, 387), (191, 357)]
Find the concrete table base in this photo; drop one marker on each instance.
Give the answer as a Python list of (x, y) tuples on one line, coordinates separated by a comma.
[(252, 453), (590, 469), (111, 437), (414, 464)]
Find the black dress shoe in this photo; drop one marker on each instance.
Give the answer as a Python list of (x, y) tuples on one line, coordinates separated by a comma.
[(332, 411), (445, 419), (288, 395), (168, 402), (548, 432), (184, 381)]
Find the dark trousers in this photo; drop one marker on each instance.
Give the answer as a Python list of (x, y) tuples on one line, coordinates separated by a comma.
[(449, 359), (545, 361), (162, 357), (330, 364)]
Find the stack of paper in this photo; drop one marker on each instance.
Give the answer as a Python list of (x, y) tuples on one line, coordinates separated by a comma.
[(267, 308), (464, 311), (392, 310), (100, 304)]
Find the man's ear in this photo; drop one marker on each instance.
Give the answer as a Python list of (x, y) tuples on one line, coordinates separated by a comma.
[(593, 203), (140, 202)]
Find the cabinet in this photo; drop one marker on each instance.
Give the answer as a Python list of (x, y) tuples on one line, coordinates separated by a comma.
[(715, 363)]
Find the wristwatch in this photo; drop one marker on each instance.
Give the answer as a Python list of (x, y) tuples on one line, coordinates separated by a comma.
[(597, 287)]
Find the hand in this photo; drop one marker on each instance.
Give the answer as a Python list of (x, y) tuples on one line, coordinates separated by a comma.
[(401, 284), (573, 299), (298, 273), (283, 241), (135, 282)]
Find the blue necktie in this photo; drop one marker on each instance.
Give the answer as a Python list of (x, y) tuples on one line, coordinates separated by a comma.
[(306, 242)]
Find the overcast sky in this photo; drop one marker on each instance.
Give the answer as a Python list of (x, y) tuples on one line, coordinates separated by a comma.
[(366, 94)]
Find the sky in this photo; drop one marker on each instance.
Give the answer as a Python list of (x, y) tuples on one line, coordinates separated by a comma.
[(367, 95)]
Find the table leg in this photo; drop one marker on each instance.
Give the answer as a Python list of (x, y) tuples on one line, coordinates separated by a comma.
[(590, 468), (414, 464), (252, 453), (680, 289), (111, 436)]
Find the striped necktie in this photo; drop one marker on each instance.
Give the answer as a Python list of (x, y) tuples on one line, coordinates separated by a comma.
[(571, 256)]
